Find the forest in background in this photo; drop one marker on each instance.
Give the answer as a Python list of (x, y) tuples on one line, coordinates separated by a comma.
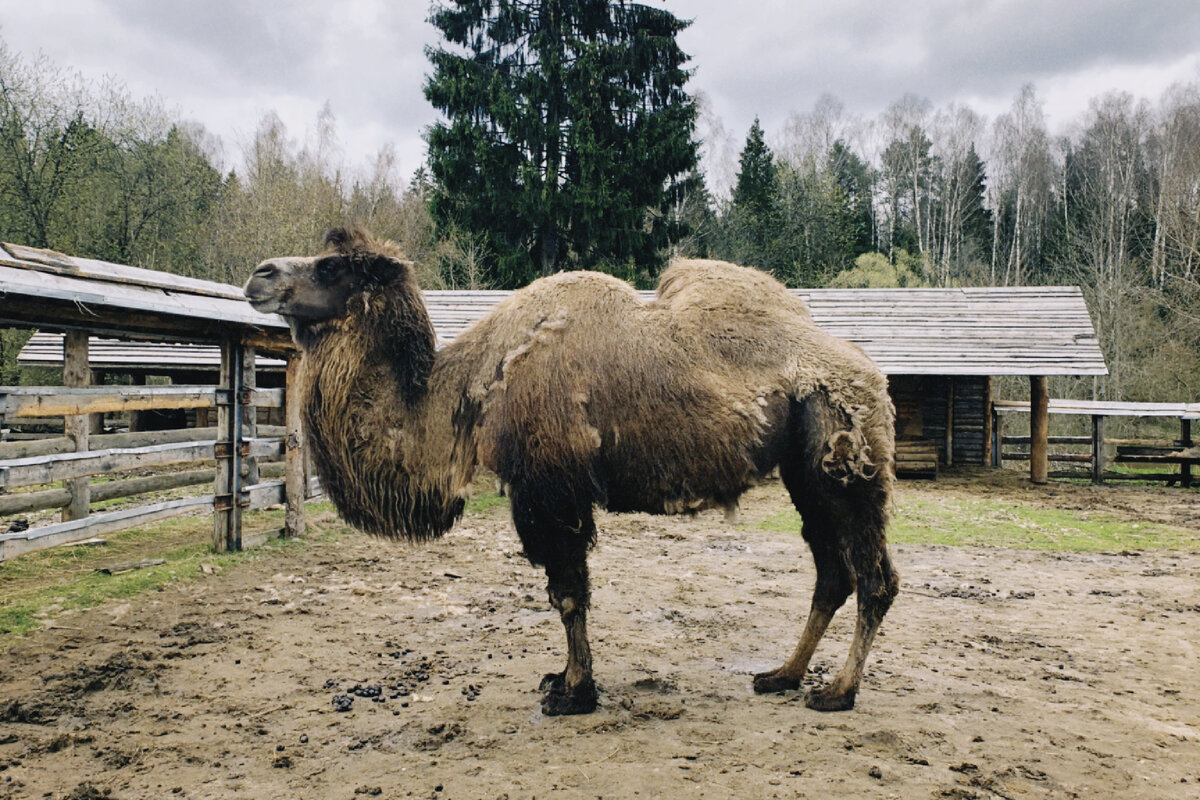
[(918, 196)]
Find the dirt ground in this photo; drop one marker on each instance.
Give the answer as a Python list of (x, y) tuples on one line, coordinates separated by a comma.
[(999, 673)]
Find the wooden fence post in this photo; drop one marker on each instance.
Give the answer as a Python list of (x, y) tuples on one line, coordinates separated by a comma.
[(1185, 441), (249, 414), (1097, 448), (1039, 429), (295, 475), (227, 489), (997, 438), (77, 373), (950, 421)]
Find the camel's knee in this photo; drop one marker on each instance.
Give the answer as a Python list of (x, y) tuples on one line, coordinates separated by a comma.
[(877, 590), (832, 590)]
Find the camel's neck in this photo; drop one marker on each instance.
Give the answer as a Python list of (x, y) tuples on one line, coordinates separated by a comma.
[(381, 434)]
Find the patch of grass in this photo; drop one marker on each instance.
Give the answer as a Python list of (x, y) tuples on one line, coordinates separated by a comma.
[(483, 502), (39, 586), (991, 523)]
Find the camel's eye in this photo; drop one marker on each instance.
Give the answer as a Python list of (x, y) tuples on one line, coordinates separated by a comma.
[(328, 270)]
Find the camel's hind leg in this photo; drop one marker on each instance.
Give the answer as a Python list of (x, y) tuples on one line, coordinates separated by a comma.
[(877, 585), (561, 546), (844, 527), (834, 584)]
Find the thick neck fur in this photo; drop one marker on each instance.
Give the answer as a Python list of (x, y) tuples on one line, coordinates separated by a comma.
[(373, 422)]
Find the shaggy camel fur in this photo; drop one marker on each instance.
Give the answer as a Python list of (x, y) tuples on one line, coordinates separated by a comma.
[(577, 394)]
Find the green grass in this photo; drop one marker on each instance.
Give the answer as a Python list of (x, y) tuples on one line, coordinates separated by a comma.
[(483, 502), (39, 586), (991, 523)]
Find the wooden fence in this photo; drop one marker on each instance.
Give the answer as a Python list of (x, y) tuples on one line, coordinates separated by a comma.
[(247, 466), (236, 445), (1092, 452)]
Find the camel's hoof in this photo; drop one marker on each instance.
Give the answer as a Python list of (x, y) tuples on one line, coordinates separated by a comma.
[(824, 699), (580, 700), (554, 682), (773, 683)]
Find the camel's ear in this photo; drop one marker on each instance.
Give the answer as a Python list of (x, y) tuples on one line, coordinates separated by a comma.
[(382, 270)]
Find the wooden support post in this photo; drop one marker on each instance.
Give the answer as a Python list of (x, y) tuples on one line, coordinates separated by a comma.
[(1039, 429), (1097, 448), (96, 421), (989, 425), (295, 475), (227, 489), (76, 373), (950, 421), (997, 438), (1185, 441), (136, 421), (249, 415)]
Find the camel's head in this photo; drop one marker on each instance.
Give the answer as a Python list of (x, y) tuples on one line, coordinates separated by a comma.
[(308, 291)]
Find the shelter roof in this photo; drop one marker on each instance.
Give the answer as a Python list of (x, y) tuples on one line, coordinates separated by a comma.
[(82, 293)]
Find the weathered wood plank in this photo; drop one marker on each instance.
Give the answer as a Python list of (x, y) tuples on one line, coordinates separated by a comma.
[(295, 483), (22, 502), (15, 544), (1039, 428), (76, 375), (269, 493), (19, 401), (1107, 408), (37, 447), (32, 471)]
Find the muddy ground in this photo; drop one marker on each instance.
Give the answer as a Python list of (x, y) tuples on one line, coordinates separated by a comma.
[(999, 673)]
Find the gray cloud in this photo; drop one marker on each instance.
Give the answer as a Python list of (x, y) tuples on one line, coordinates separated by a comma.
[(226, 62), (774, 58)]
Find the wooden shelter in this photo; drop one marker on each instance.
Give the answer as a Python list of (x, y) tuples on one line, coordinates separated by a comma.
[(82, 297)]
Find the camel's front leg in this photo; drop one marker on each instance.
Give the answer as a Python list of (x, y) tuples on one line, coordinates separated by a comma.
[(572, 691)]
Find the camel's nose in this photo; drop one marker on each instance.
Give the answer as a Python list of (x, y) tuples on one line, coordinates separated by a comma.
[(268, 269)]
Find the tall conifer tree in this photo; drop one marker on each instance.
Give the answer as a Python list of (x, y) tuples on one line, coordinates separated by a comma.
[(567, 130)]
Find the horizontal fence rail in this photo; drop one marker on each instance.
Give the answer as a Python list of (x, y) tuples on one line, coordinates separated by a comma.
[(1181, 453), (22, 401)]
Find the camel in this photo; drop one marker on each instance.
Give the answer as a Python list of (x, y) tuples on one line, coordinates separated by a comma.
[(577, 394)]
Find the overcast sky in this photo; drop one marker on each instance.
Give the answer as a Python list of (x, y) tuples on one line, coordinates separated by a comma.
[(226, 63)]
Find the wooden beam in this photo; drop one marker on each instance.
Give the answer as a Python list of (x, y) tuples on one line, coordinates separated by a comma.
[(261, 495), (17, 402), (249, 414), (35, 470), (14, 544), (76, 375), (36, 447), (296, 482), (1097, 448), (227, 509), (989, 420), (1039, 428), (22, 502), (950, 421), (1185, 441)]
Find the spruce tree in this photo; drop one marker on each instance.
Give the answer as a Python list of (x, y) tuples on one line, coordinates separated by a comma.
[(754, 214), (756, 190), (566, 131)]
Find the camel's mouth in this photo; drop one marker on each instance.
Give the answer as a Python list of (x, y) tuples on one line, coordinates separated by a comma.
[(265, 305)]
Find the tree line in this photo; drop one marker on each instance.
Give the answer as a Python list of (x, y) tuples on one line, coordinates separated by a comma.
[(917, 196)]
